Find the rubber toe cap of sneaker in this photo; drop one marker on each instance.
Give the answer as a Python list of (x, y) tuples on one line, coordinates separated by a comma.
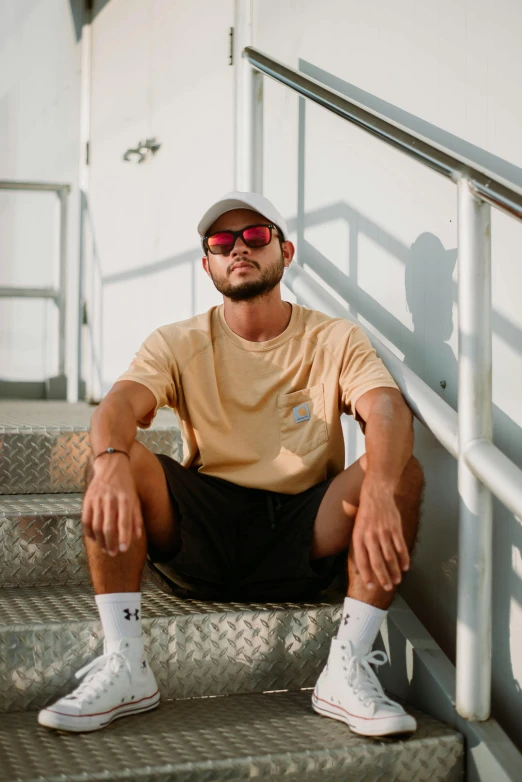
[(405, 724), (66, 709)]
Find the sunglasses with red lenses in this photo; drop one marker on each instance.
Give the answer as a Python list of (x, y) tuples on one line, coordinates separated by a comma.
[(222, 242)]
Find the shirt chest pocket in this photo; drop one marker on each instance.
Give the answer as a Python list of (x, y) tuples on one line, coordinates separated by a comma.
[(302, 420)]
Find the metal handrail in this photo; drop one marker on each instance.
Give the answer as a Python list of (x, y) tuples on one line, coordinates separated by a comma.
[(486, 184), (12, 184), (482, 467), (58, 296), (29, 293)]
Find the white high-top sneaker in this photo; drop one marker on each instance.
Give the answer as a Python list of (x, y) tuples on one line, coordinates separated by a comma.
[(348, 690), (117, 684)]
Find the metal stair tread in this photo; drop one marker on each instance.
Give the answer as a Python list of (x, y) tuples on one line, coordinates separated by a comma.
[(228, 738), (29, 606), (45, 445), (40, 504), (41, 540), (195, 648), (45, 416)]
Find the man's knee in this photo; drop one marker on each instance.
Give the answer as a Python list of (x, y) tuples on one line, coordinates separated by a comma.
[(139, 456), (147, 471)]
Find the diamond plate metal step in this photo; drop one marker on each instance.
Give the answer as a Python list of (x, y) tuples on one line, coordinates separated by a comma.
[(49, 628), (41, 540), (44, 446), (272, 737), (195, 648)]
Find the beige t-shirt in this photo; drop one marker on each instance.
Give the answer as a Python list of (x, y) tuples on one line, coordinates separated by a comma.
[(260, 414)]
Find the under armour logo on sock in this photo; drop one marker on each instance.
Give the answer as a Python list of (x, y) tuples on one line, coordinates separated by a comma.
[(346, 619), (128, 613)]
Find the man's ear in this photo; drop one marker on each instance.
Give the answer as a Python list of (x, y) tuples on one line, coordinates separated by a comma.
[(288, 253), (204, 263)]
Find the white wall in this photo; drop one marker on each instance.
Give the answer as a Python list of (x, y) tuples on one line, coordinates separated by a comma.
[(452, 71), (39, 126), (159, 69)]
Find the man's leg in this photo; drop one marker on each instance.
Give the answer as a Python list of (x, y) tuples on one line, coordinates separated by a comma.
[(117, 579), (120, 683), (347, 689), (123, 572), (336, 517)]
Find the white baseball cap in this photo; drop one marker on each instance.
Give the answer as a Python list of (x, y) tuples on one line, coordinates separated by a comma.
[(237, 200)]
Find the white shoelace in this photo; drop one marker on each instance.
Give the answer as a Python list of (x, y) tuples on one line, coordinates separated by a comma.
[(102, 670), (363, 679)]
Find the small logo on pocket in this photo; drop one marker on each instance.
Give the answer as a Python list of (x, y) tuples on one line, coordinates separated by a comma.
[(301, 413)]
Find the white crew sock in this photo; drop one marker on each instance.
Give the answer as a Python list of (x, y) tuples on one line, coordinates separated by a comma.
[(120, 614), (360, 624)]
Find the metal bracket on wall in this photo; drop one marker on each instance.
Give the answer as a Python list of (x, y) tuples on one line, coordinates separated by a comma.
[(142, 151)]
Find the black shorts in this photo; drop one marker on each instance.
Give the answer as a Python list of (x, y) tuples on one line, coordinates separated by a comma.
[(243, 544)]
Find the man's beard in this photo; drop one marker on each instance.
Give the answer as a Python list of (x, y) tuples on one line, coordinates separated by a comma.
[(250, 289)]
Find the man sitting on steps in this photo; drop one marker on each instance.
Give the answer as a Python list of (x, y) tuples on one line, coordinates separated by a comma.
[(261, 509)]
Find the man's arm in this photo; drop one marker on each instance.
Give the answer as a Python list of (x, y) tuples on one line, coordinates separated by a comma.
[(114, 422), (111, 508), (380, 551)]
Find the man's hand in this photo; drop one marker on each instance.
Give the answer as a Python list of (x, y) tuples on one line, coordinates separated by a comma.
[(379, 549), (380, 552), (111, 508)]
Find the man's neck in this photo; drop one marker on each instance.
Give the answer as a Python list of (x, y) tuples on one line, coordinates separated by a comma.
[(260, 319)]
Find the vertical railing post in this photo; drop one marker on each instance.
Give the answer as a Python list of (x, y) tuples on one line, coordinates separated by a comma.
[(85, 260), (243, 95), (257, 132), (475, 421), (62, 314), (248, 106)]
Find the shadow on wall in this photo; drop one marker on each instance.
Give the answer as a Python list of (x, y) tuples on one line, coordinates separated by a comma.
[(78, 10), (430, 295), (477, 156), (428, 279), (77, 15), (94, 284)]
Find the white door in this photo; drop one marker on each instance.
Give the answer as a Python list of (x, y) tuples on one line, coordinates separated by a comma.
[(160, 69)]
